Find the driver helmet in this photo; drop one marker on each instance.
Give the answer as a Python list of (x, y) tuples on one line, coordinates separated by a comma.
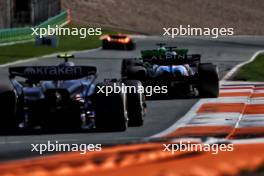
[(162, 49), (173, 53)]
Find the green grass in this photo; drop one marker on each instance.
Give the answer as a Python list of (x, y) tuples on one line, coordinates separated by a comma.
[(66, 43), (253, 71)]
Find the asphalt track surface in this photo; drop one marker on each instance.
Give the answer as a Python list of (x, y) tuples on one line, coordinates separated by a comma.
[(161, 114)]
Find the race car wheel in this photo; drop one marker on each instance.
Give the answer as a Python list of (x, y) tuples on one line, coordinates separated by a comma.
[(136, 73), (105, 44), (136, 104), (208, 81), (126, 63), (8, 103), (111, 112), (131, 46)]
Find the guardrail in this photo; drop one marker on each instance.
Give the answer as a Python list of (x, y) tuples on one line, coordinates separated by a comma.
[(20, 34)]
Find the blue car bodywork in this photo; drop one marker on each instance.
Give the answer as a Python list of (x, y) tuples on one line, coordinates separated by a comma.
[(43, 96)]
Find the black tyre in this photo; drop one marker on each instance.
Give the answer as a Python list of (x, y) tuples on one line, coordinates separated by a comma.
[(208, 81), (135, 104), (131, 46), (105, 44), (127, 63), (8, 102), (111, 113), (136, 73)]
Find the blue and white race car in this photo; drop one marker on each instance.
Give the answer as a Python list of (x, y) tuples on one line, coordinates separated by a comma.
[(182, 73), (66, 97)]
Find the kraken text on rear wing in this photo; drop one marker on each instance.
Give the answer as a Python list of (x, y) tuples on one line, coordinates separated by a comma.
[(52, 72)]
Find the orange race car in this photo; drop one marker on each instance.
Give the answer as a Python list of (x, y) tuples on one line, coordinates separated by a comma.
[(118, 41)]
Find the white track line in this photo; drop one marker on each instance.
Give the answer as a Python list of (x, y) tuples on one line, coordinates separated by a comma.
[(46, 56)]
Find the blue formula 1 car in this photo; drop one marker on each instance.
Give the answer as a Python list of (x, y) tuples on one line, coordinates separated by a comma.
[(66, 97), (183, 74)]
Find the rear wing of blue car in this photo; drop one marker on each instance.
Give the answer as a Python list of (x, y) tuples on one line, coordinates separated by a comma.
[(42, 73)]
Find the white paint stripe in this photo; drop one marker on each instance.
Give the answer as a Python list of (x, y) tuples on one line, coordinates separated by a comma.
[(257, 101), (258, 91), (215, 119), (243, 124), (236, 141), (45, 56), (241, 99), (223, 87), (252, 120), (216, 122), (248, 141), (224, 83), (229, 96), (17, 42), (209, 124), (253, 116), (236, 90), (213, 140)]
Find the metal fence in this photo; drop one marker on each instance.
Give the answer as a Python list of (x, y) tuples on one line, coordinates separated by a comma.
[(19, 34)]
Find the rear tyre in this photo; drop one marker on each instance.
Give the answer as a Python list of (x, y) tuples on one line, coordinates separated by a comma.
[(127, 63), (131, 46), (136, 73), (8, 103), (111, 113), (135, 104), (208, 81), (105, 44)]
